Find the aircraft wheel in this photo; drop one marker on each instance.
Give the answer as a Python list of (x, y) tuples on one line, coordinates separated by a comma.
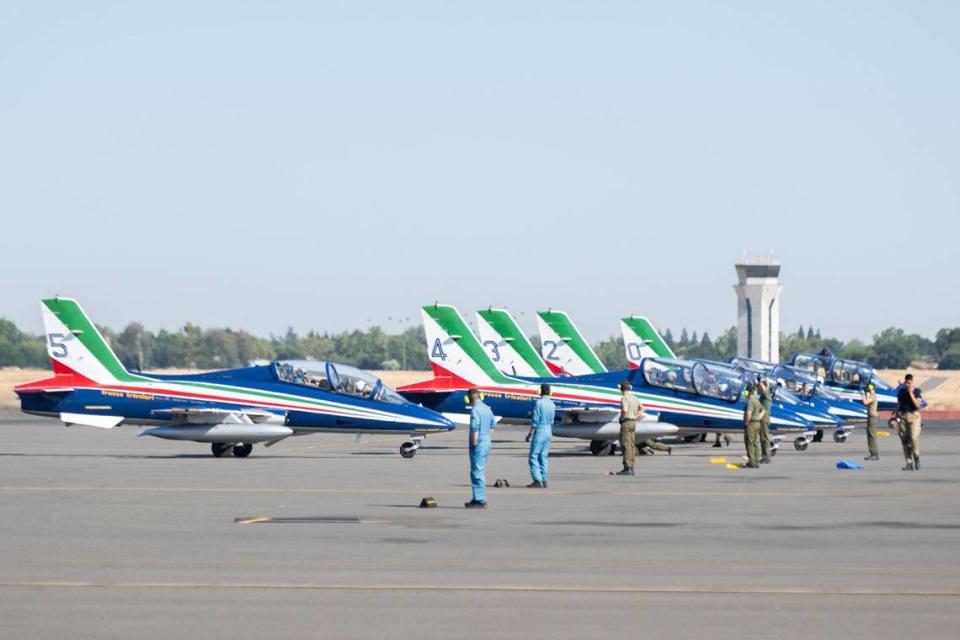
[(242, 450), (840, 436), (601, 447), (221, 449), (408, 450), (773, 452), (800, 444), (697, 437)]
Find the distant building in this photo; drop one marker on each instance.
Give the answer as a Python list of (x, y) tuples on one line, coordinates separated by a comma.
[(758, 309)]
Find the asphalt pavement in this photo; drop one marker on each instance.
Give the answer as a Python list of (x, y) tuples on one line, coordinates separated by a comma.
[(106, 535)]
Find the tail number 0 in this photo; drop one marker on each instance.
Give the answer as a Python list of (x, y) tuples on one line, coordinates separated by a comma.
[(58, 348)]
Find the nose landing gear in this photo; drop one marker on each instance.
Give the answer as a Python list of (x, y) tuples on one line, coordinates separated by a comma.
[(409, 449)]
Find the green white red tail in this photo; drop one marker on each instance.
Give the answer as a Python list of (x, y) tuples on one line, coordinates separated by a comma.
[(641, 340), (564, 348), (455, 353), (506, 345), (76, 347)]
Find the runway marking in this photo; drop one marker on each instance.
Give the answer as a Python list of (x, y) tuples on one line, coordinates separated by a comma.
[(514, 588), (486, 563), (311, 520), (500, 493), (464, 563)]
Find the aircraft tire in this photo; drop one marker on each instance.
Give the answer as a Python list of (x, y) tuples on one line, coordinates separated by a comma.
[(242, 450), (221, 450), (601, 447), (840, 436), (408, 450), (800, 444)]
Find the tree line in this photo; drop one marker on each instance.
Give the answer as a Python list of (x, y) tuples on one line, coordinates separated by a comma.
[(193, 347)]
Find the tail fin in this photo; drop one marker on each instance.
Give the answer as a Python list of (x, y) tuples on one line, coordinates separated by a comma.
[(453, 349), (641, 340), (509, 349), (76, 347), (563, 346)]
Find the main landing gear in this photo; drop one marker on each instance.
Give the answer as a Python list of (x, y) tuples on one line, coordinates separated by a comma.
[(840, 435), (602, 447), (409, 449), (227, 449)]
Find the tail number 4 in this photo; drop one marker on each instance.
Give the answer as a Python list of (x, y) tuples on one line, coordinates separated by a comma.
[(58, 346)]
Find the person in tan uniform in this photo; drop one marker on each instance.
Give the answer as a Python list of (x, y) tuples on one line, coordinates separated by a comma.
[(908, 411), (752, 424), (630, 411), (869, 399)]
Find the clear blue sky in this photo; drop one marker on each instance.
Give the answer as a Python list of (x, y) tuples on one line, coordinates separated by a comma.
[(322, 165)]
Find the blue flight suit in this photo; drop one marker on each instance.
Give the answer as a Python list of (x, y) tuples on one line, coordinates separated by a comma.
[(542, 423), (481, 422)]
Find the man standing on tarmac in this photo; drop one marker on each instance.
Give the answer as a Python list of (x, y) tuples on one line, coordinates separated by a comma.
[(869, 399), (766, 400), (752, 424), (481, 423), (630, 411), (908, 410), (541, 428)]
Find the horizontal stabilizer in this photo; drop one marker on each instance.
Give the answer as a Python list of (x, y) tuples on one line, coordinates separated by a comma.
[(89, 420)]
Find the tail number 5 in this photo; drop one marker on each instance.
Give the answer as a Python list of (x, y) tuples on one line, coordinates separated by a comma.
[(58, 348)]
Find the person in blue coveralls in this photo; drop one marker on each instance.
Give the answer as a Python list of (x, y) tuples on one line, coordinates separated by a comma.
[(481, 424), (541, 429)]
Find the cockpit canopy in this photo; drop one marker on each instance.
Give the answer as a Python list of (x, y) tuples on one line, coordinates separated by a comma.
[(849, 373), (753, 366), (336, 378), (798, 380), (852, 373), (705, 379)]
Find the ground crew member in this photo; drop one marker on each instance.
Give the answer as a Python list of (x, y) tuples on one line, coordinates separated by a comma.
[(541, 429), (869, 398), (650, 445), (752, 424), (481, 423), (766, 400), (908, 410), (630, 411), (726, 438)]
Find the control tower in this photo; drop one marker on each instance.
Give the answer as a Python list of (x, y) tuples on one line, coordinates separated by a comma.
[(758, 309)]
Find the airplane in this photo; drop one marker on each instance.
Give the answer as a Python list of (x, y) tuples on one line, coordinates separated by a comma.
[(564, 348), (690, 397), (506, 345), (641, 340), (847, 378), (231, 409), (797, 385), (460, 363)]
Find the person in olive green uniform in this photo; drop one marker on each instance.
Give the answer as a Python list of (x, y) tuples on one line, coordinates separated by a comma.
[(630, 411), (766, 399), (869, 398), (650, 445), (752, 424)]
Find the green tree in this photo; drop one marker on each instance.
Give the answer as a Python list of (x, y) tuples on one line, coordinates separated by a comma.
[(950, 359), (18, 349)]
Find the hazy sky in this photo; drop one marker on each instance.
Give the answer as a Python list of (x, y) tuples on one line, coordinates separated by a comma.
[(325, 165)]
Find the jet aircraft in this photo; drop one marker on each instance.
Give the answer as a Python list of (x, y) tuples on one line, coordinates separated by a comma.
[(691, 397), (231, 410)]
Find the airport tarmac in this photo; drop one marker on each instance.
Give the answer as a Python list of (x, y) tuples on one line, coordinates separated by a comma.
[(106, 535)]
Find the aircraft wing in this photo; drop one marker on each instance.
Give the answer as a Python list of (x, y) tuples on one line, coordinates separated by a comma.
[(184, 415)]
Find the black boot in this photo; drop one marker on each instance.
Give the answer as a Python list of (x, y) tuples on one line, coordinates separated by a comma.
[(916, 463), (626, 472)]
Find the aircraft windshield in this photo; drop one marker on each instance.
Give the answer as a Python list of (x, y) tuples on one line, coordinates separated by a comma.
[(852, 373), (669, 374), (809, 362), (794, 379), (747, 364), (338, 378), (717, 381)]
